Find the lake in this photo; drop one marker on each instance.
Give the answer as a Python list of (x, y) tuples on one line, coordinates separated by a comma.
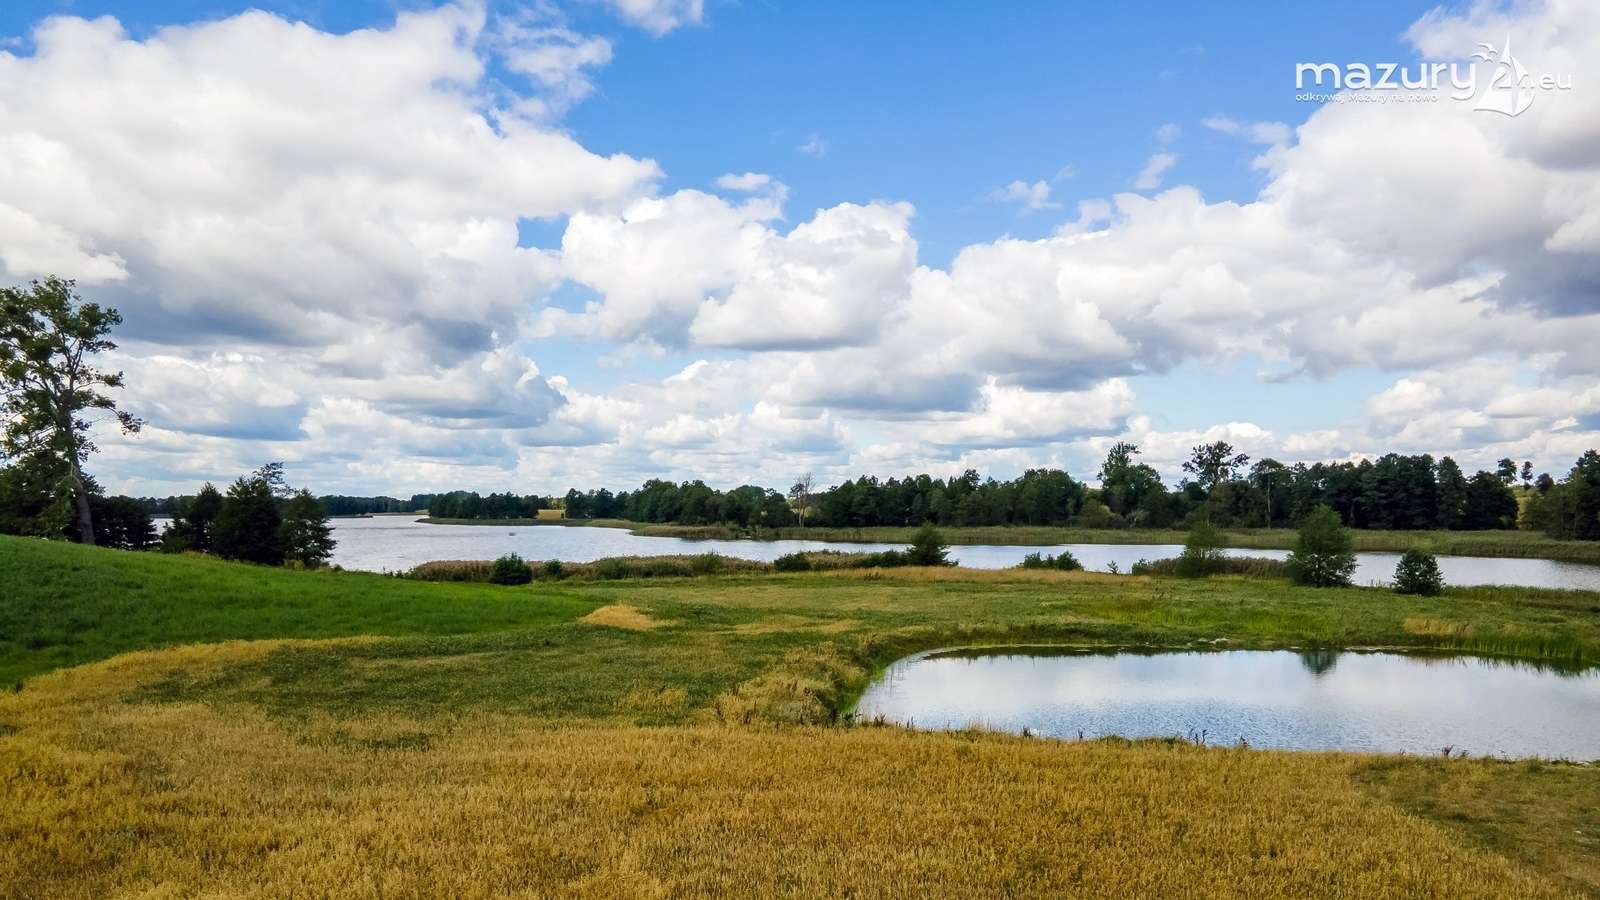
[(396, 543), (1322, 700)]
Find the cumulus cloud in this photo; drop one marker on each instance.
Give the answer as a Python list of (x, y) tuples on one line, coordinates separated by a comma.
[(328, 269)]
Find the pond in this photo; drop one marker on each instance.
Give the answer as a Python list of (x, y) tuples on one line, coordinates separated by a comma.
[(1315, 700), (396, 543)]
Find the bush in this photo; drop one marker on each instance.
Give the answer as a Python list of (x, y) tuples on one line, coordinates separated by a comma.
[(1254, 566), (510, 569), (792, 562), (552, 569), (1322, 556), (1418, 573), (928, 547), (1065, 562), (1202, 551), (706, 564), (887, 559)]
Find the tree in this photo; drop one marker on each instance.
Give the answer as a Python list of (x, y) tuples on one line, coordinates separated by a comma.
[(1527, 474), (191, 526), (247, 526), (800, 493), (1418, 573), (1214, 463), (122, 522), (928, 547), (510, 569), (304, 533), (49, 384), (1451, 493), (1489, 504), (1506, 469), (1273, 480), (1202, 551), (1322, 555), (1125, 483)]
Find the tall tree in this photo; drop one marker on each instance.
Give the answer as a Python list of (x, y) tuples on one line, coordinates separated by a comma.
[(800, 493), (50, 386), (1452, 493), (304, 534), (247, 527), (1507, 470), (1527, 474), (1214, 463)]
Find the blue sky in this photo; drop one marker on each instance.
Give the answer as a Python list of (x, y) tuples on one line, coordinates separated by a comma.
[(853, 107)]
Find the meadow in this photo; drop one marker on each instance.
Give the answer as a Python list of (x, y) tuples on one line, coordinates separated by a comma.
[(256, 732)]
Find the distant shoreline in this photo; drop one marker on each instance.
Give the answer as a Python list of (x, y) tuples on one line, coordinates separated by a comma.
[(1488, 544)]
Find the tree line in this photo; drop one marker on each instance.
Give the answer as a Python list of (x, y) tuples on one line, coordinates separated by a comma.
[(1220, 485)]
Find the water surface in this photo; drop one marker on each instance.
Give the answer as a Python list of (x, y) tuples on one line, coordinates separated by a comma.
[(397, 543), (1320, 700)]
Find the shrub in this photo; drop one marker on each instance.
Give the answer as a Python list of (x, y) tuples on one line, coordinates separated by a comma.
[(705, 564), (1065, 562), (1256, 566), (452, 570), (1418, 573), (1202, 551), (887, 559), (609, 569), (510, 569), (1322, 556), (928, 547), (792, 562), (551, 569)]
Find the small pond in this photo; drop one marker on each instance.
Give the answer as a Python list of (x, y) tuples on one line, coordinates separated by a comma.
[(1313, 700)]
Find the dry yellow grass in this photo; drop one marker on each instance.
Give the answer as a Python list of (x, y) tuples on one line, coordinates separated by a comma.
[(628, 618), (107, 797)]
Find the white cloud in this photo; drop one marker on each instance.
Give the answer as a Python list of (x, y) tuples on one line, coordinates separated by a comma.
[(815, 145), (1031, 197), (659, 16), (1255, 132), (749, 181), (1154, 168), (1169, 132)]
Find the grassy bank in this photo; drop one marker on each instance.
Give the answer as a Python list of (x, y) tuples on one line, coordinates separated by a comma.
[(671, 737), (1511, 544)]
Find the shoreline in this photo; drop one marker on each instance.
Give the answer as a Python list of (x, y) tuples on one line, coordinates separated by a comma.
[(1483, 544)]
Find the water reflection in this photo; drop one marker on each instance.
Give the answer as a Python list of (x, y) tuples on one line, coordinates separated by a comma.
[(1314, 699), (1319, 662)]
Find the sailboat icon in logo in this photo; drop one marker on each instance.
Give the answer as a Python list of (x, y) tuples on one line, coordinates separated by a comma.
[(1507, 93)]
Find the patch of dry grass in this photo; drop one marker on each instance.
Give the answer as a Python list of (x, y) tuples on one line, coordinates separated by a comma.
[(628, 618), (107, 798)]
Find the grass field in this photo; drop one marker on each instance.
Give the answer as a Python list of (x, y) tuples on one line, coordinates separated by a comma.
[(339, 734), (1514, 544)]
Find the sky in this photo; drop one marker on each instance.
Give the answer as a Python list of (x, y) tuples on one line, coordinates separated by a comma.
[(538, 245)]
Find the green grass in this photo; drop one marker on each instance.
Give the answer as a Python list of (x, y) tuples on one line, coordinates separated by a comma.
[(64, 604), (514, 647)]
